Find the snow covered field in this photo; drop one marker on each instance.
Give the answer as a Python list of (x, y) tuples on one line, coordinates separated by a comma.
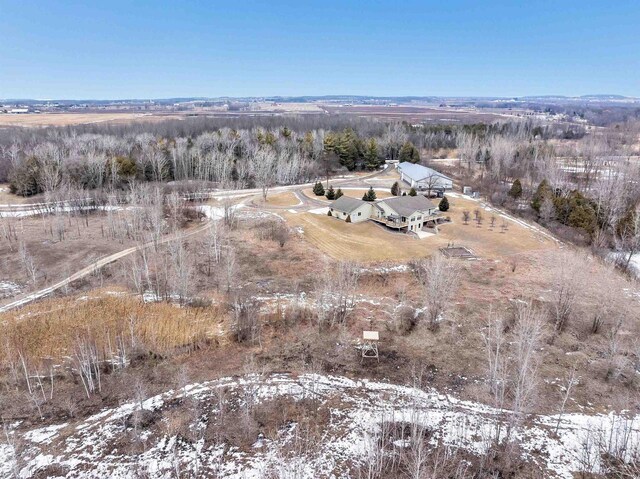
[(93, 448)]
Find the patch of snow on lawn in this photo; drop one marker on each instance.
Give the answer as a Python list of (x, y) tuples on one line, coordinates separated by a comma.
[(320, 211)]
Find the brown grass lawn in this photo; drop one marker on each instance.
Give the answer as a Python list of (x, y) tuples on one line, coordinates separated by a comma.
[(484, 240), (286, 198), (358, 241), (371, 242)]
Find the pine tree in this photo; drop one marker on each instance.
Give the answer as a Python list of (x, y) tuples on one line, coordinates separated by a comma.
[(331, 194), (339, 193), (371, 155), (516, 189), (413, 192), (371, 194), (318, 189), (444, 204), (395, 189), (409, 153)]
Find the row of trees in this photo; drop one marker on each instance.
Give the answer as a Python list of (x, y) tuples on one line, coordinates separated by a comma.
[(237, 152)]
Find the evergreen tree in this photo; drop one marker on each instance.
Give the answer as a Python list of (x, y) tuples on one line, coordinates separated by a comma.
[(543, 192), (348, 146), (331, 194), (413, 192), (371, 155), (409, 153), (395, 189), (370, 195), (444, 204), (318, 189), (516, 189), (339, 193)]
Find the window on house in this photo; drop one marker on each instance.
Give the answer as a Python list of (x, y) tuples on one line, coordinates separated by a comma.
[(359, 213)]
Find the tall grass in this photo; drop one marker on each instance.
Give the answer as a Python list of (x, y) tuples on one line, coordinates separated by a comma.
[(52, 328)]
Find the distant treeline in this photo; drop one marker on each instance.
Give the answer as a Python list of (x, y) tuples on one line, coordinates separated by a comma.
[(239, 152)]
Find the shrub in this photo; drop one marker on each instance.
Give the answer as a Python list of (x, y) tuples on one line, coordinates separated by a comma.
[(318, 189), (444, 204)]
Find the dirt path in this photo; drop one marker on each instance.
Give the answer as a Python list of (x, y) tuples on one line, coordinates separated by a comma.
[(96, 265)]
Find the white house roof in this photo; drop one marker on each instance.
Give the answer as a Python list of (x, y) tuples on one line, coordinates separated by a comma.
[(407, 205), (418, 172)]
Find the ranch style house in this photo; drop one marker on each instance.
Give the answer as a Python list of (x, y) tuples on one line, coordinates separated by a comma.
[(403, 213)]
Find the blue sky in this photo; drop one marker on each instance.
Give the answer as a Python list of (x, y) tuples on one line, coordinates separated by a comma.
[(157, 49)]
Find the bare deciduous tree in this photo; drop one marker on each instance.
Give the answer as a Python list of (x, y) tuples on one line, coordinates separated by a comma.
[(567, 285), (335, 293), (439, 277)]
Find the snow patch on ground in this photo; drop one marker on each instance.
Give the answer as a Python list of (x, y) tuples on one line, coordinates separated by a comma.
[(423, 234), (8, 289), (320, 211), (93, 448)]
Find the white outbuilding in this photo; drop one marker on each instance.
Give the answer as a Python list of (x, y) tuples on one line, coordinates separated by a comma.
[(423, 178)]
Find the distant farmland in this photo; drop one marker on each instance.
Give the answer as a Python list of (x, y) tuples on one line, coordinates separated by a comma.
[(65, 119)]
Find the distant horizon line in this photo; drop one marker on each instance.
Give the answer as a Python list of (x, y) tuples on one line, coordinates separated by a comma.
[(595, 96)]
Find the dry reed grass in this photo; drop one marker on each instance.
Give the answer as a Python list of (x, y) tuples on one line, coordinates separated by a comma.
[(50, 329)]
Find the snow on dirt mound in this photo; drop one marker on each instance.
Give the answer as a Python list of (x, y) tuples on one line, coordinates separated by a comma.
[(288, 426)]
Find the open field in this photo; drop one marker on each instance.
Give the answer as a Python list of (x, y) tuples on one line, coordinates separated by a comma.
[(64, 119), (416, 113), (370, 242)]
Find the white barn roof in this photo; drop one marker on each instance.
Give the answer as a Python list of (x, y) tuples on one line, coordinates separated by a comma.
[(418, 172)]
